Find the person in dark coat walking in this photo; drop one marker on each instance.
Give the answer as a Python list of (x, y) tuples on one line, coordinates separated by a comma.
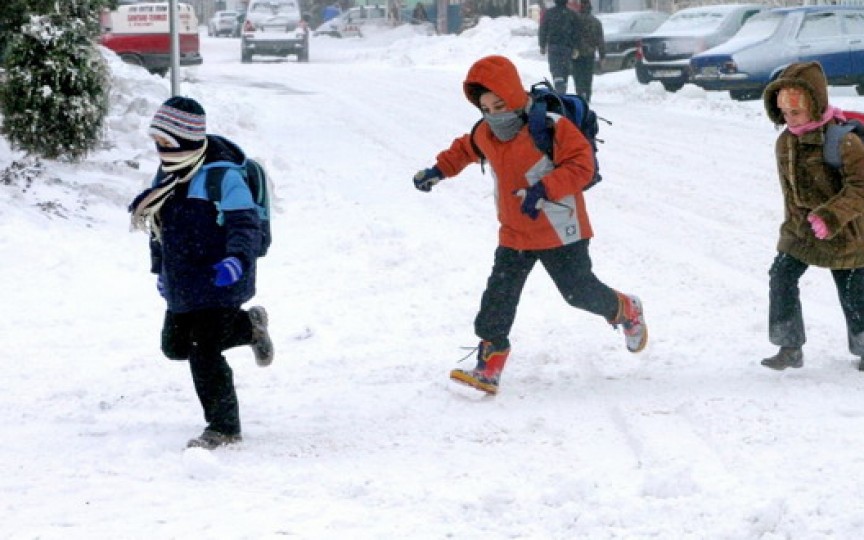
[(823, 223), (591, 44), (419, 14), (205, 259), (558, 36)]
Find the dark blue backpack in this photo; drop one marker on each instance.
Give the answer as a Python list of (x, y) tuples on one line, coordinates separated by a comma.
[(546, 100), (255, 177)]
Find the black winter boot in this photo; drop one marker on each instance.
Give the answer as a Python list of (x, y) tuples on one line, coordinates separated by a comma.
[(211, 439), (786, 357), (261, 344)]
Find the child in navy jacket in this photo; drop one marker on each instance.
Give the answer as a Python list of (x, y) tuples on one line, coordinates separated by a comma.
[(204, 253)]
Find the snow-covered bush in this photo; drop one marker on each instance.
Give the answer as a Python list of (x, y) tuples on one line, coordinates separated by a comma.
[(55, 95)]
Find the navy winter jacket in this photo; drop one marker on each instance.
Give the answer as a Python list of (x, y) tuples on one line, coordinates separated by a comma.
[(192, 239)]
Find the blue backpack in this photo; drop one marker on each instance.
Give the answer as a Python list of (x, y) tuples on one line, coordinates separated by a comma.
[(546, 100), (834, 134), (255, 177)]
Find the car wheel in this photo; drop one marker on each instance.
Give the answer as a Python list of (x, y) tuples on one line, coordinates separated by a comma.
[(303, 56), (132, 59), (859, 88), (629, 62), (642, 74), (245, 57), (745, 95), (672, 86)]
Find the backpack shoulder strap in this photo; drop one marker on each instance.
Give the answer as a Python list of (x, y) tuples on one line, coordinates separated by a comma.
[(834, 133), (541, 127), (477, 148), (213, 183)]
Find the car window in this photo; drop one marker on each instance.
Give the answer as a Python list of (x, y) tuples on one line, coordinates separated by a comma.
[(614, 23), (288, 8), (819, 25), (760, 26), (274, 7), (749, 14), (853, 23), (703, 20), (649, 25), (645, 25)]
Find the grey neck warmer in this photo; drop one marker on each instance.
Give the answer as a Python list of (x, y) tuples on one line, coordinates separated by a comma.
[(505, 125)]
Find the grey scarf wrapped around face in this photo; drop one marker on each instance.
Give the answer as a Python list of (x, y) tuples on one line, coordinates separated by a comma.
[(505, 125)]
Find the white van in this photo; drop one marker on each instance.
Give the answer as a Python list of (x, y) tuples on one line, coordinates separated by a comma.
[(140, 34)]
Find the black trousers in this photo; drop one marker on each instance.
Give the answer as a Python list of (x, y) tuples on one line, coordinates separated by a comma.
[(559, 66), (785, 319), (201, 336), (583, 76), (570, 269)]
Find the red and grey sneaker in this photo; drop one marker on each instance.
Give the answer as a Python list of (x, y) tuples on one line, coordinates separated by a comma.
[(632, 317), (490, 364)]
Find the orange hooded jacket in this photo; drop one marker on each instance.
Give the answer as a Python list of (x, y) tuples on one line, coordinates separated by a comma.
[(518, 163)]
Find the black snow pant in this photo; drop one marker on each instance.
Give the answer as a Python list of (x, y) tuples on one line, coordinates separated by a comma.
[(201, 336), (569, 267), (583, 76), (559, 66), (785, 319)]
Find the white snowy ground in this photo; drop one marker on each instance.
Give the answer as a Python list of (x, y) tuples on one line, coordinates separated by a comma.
[(372, 287)]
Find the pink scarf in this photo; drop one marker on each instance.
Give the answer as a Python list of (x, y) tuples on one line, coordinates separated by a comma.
[(830, 113)]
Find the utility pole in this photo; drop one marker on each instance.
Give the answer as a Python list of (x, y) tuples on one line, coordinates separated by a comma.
[(174, 26)]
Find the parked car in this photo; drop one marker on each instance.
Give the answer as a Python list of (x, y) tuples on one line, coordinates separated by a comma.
[(621, 34), (223, 23), (277, 34), (770, 41), (352, 22), (664, 55)]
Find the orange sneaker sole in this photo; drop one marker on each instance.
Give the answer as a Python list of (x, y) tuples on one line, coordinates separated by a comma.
[(467, 379)]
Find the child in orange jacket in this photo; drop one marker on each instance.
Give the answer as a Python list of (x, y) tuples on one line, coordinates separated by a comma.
[(542, 215)]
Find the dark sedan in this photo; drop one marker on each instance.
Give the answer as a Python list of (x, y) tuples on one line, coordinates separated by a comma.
[(744, 65)]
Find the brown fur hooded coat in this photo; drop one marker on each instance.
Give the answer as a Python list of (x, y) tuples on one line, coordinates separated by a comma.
[(811, 185)]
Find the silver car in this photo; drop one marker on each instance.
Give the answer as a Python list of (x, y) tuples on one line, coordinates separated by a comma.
[(621, 34), (352, 22), (664, 55), (223, 23)]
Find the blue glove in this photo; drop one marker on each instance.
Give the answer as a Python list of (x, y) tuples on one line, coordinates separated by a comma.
[(160, 285), (228, 272), (531, 199), (425, 179)]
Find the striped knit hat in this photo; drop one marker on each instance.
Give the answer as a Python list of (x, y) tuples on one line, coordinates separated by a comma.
[(182, 121)]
